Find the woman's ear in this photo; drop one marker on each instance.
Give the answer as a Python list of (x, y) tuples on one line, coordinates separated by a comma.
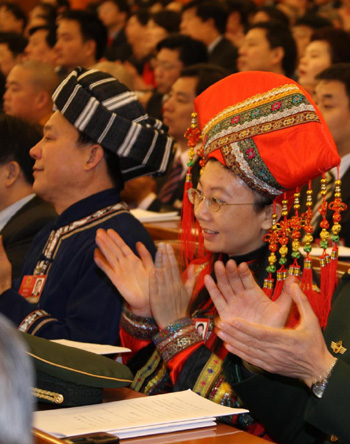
[(267, 216)]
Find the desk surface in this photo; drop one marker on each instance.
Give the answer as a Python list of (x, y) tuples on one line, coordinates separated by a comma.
[(164, 230), (209, 435)]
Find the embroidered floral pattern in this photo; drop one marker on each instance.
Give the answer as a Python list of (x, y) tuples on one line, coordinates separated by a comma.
[(243, 158), (232, 131), (208, 376), (254, 103)]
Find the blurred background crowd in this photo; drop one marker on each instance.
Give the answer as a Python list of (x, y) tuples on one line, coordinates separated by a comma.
[(169, 52)]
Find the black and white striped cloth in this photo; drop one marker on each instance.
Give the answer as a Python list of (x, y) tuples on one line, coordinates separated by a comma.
[(109, 113)]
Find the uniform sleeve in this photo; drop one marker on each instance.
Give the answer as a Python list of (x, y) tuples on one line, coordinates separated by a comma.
[(277, 402), (331, 412)]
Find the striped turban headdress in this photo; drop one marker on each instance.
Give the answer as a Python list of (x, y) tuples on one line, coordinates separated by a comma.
[(109, 113)]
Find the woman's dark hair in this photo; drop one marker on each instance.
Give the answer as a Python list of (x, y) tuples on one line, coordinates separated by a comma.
[(169, 20), (338, 41)]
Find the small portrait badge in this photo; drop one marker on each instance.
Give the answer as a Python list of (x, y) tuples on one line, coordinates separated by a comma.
[(337, 347), (201, 326), (32, 287)]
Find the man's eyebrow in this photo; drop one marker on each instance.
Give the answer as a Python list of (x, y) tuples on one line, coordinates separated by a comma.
[(47, 128), (11, 82)]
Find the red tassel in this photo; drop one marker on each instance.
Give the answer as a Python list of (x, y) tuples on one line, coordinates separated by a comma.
[(268, 286), (281, 277), (187, 234)]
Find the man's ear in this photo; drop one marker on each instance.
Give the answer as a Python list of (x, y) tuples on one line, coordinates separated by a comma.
[(95, 156), (278, 54), (90, 46), (13, 171), (42, 99), (267, 216)]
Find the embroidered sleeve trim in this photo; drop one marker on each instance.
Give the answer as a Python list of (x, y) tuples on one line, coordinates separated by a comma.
[(176, 337), (137, 326), (34, 321)]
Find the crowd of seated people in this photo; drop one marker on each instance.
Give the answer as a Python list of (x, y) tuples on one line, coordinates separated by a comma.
[(167, 53)]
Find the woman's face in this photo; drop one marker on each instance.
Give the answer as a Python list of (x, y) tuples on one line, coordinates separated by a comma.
[(234, 229), (155, 33), (317, 57)]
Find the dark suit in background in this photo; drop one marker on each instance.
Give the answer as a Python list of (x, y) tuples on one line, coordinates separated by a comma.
[(20, 230), (224, 54), (118, 48)]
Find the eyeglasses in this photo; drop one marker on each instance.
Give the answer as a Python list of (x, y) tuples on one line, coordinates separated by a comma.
[(165, 66), (213, 204)]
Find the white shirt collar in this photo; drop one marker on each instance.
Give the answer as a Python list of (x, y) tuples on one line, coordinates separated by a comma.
[(214, 43), (344, 165)]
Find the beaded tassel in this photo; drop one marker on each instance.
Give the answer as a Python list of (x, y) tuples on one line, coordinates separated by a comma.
[(316, 302), (306, 281), (272, 239), (337, 206), (295, 227), (324, 235), (283, 251), (188, 237)]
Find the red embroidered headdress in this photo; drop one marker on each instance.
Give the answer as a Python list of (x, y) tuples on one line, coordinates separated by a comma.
[(268, 131)]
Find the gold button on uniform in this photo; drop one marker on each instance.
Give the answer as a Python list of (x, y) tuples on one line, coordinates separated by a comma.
[(334, 438)]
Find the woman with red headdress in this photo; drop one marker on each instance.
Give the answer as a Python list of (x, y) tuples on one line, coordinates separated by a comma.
[(263, 138)]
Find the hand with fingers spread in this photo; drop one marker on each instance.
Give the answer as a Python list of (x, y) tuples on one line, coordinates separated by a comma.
[(299, 353), (6, 269), (128, 272), (169, 296), (237, 295)]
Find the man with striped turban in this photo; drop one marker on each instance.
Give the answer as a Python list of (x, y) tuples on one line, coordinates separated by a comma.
[(98, 137)]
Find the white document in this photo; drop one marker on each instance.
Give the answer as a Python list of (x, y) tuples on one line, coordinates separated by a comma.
[(152, 216), (99, 349), (134, 417)]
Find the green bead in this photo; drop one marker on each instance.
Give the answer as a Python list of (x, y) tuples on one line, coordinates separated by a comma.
[(307, 248), (282, 261), (324, 244), (296, 254), (271, 269), (335, 238)]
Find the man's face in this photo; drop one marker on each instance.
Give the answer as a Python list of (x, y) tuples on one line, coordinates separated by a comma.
[(178, 108), (20, 95), (255, 54), (333, 101), (110, 15), (193, 25), (71, 49), (59, 163), (38, 49), (7, 59), (8, 22), (167, 69)]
